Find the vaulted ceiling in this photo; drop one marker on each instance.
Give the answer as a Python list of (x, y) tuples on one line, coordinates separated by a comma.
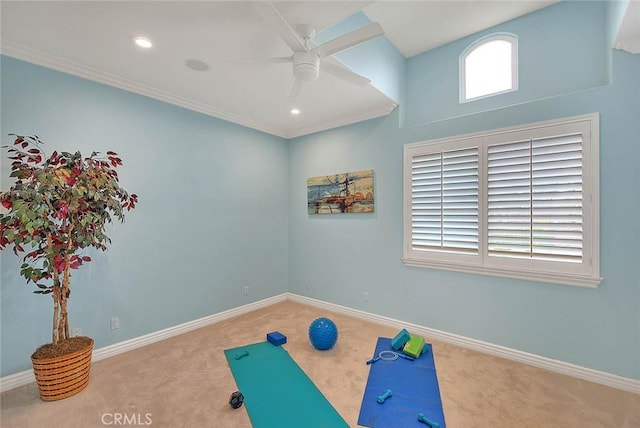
[(217, 57)]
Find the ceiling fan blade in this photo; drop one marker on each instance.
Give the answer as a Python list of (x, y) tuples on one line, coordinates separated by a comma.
[(249, 62), (278, 60), (350, 39), (270, 15), (296, 85), (343, 73)]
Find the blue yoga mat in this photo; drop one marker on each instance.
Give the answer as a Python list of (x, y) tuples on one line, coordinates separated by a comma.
[(277, 392), (414, 387)]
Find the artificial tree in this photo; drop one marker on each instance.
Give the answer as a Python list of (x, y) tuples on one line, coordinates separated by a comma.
[(58, 206)]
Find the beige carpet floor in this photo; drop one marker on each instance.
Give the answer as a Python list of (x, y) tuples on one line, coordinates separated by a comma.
[(185, 381)]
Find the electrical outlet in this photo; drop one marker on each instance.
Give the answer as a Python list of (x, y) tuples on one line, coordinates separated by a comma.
[(365, 297), (307, 284), (76, 332), (115, 323), (245, 291)]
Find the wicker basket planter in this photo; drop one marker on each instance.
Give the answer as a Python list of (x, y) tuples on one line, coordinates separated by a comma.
[(63, 376)]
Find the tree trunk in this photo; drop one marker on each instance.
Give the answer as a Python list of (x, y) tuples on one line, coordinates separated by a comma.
[(63, 326), (56, 313)]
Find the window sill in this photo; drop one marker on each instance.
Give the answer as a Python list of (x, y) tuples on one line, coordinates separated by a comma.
[(552, 278)]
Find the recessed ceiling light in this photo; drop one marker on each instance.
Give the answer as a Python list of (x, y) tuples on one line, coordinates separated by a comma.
[(142, 42), (295, 111), (197, 65)]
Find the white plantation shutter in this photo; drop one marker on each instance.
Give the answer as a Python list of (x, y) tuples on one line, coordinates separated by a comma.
[(520, 202), (534, 204), (444, 201)]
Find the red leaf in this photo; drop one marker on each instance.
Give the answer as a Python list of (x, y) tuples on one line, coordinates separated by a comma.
[(6, 202)]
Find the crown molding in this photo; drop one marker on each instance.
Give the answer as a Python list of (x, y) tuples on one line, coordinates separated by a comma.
[(374, 113), (37, 57)]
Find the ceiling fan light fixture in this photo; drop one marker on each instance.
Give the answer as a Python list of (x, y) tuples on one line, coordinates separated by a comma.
[(306, 66)]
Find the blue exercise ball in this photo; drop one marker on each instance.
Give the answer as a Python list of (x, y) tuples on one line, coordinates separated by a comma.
[(323, 333)]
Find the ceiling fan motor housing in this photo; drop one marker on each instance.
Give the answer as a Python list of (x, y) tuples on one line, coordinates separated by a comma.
[(306, 65)]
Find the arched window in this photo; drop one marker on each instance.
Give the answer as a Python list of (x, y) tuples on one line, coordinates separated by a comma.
[(489, 67)]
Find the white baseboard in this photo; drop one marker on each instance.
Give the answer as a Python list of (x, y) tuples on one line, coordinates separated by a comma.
[(602, 378), (17, 379), (138, 342), (25, 377)]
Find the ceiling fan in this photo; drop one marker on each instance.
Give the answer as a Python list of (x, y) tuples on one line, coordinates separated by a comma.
[(308, 58)]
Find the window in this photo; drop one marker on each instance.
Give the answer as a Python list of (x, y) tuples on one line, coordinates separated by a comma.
[(519, 202), (489, 67)]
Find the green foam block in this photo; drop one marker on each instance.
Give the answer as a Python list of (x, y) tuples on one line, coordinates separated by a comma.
[(413, 347)]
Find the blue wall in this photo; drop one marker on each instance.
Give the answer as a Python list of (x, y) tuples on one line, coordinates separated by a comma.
[(223, 207), (562, 49), (212, 216), (378, 59), (346, 255)]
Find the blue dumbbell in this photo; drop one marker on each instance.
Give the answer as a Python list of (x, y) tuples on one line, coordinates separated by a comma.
[(384, 396), (422, 418)]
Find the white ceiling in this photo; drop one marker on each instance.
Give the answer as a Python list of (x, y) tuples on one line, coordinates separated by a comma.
[(628, 37), (92, 39)]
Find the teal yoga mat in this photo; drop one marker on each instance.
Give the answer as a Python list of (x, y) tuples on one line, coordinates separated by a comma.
[(277, 392), (414, 387)]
